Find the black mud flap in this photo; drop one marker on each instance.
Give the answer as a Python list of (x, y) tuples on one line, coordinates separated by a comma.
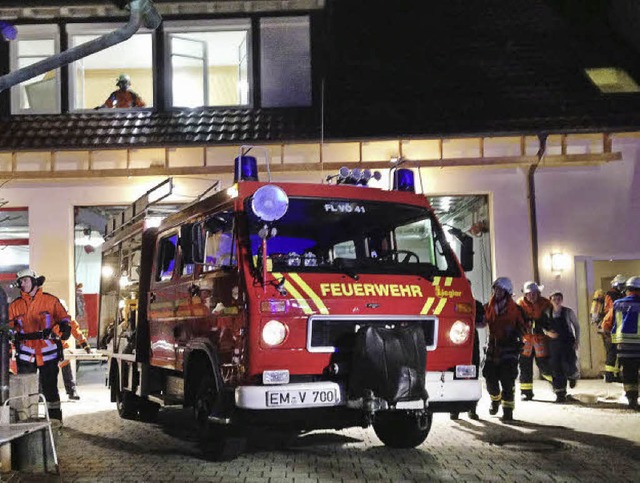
[(390, 363)]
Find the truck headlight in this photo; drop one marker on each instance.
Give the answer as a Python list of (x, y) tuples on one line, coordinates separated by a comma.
[(274, 332), (459, 332)]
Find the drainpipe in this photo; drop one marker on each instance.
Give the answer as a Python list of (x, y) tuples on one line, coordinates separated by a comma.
[(142, 13), (531, 195)]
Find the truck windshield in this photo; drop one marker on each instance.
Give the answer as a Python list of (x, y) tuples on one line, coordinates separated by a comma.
[(352, 237)]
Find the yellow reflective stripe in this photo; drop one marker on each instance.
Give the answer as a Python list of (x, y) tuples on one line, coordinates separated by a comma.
[(508, 404), (427, 305), (436, 280), (497, 397), (312, 295), (440, 306), (288, 286), (526, 386), (448, 281)]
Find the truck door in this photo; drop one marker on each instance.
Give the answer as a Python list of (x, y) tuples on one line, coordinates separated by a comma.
[(163, 303)]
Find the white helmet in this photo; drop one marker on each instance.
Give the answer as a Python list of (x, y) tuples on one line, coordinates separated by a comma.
[(27, 272), (531, 287), (633, 283), (618, 280), (504, 283)]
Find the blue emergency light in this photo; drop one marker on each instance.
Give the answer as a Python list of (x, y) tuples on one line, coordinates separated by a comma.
[(248, 169), (403, 180)]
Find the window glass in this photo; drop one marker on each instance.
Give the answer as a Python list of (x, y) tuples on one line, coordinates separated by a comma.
[(93, 78), (14, 247), (210, 68), (167, 257), (285, 62), (219, 242), (327, 235), (40, 94)]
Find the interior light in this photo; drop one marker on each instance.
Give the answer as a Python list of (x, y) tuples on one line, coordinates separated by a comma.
[(153, 222), (107, 271)]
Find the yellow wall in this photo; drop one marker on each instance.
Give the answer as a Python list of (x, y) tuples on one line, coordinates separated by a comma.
[(604, 271), (99, 83)]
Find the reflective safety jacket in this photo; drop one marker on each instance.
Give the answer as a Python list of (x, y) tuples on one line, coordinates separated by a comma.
[(124, 99), (538, 314), (506, 326), (32, 315), (624, 323)]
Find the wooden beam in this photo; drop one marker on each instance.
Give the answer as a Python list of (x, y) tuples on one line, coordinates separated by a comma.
[(506, 161)]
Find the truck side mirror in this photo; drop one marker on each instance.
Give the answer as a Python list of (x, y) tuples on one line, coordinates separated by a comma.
[(466, 253)]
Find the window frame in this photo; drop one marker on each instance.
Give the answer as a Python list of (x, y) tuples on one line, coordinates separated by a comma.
[(34, 32), (73, 29), (174, 27)]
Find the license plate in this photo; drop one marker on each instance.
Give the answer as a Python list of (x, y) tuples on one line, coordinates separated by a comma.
[(302, 398)]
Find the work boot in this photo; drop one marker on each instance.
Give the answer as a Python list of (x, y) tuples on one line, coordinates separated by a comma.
[(561, 397), (527, 395), (507, 414), (73, 395), (493, 410), (632, 397), (473, 414), (573, 383)]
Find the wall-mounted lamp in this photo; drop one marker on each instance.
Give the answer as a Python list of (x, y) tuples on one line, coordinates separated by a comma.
[(559, 262)]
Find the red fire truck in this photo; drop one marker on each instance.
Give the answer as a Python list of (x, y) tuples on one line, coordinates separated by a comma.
[(292, 306)]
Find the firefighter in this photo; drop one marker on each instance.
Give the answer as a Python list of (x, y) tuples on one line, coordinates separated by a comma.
[(506, 323), (623, 323), (34, 316), (598, 311), (538, 314), (124, 97), (65, 365)]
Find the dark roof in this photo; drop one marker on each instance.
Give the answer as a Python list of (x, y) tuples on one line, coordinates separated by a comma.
[(465, 67), (111, 128), (462, 68)]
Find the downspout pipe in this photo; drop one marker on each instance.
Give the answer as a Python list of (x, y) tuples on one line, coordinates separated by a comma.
[(143, 12), (531, 196)]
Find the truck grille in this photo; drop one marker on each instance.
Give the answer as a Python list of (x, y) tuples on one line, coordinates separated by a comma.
[(328, 333)]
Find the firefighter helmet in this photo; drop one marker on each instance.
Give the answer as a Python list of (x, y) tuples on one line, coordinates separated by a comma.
[(531, 287), (27, 272), (633, 283), (618, 281), (123, 79), (504, 283)]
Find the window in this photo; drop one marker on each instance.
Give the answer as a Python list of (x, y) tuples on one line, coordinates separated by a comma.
[(40, 94), (219, 242), (14, 247), (167, 252), (285, 62), (612, 80), (93, 78), (209, 62)]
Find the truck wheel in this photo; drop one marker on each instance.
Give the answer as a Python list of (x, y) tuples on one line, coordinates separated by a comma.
[(148, 411), (217, 442), (401, 429), (127, 404)]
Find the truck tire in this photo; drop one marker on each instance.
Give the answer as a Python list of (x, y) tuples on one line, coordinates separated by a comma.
[(148, 411), (126, 402), (402, 429), (217, 442)]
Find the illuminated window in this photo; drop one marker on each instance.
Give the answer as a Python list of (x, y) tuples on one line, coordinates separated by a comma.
[(209, 62), (612, 80), (40, 94), (93, 78)]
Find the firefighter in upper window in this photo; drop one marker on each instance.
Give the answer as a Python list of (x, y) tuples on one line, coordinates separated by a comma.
[(507, 325), (602, 304), (623, 323), (538, 313), (124, 97), (36, 316)]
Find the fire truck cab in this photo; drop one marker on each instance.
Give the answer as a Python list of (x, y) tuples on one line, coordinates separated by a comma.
[(293, 306)]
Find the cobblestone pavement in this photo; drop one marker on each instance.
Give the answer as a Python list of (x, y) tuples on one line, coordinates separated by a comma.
[(575, 442)]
